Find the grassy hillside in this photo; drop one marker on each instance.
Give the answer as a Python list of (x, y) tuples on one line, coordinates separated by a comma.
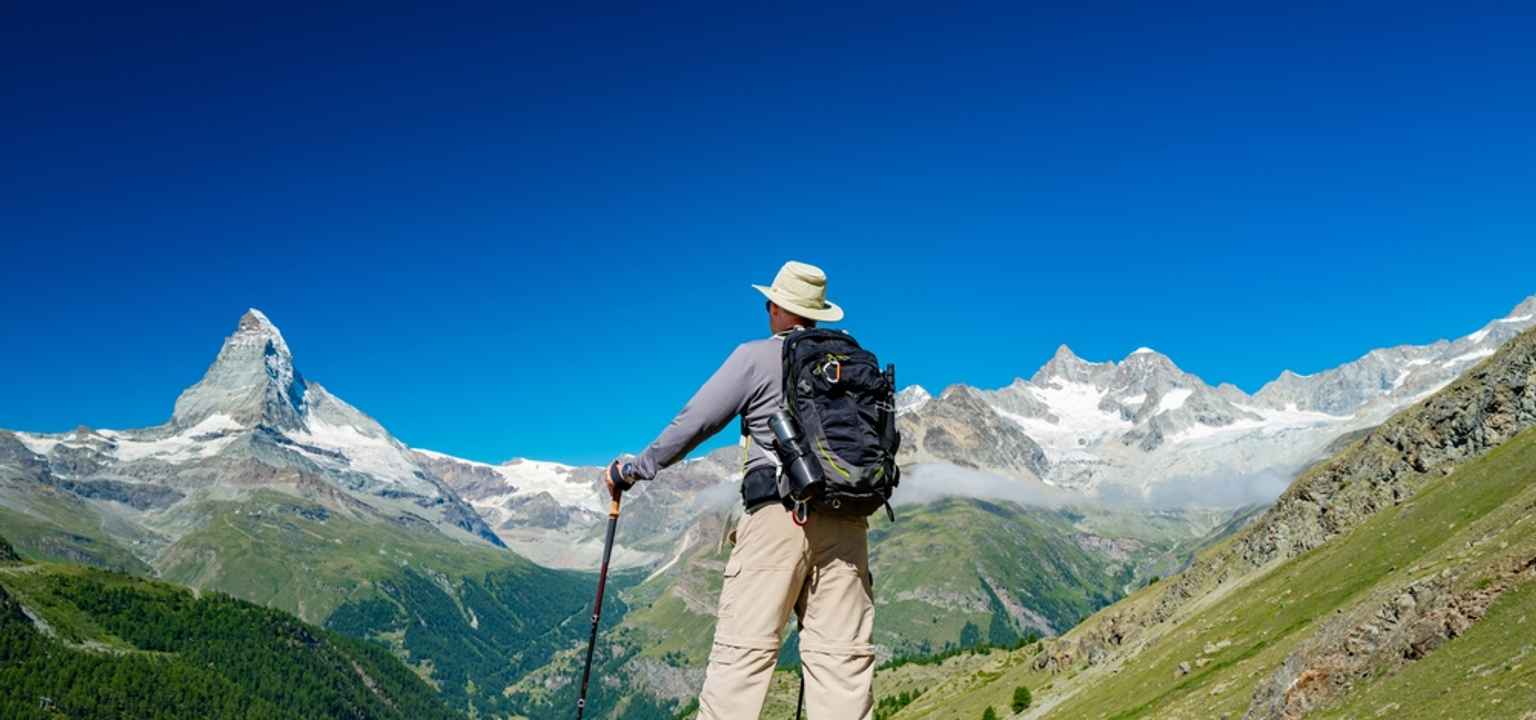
[(78, 642), (71, 533), (1475, 524), (1006, 570), (1391, 581), (470, 620)]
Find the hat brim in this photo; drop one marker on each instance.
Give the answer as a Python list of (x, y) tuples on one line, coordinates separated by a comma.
[(830, 313)]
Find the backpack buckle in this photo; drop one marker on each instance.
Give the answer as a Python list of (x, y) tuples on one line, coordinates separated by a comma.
[(832, 370)]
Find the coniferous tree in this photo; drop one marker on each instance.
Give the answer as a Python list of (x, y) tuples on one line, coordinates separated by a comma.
[(1021, 699)]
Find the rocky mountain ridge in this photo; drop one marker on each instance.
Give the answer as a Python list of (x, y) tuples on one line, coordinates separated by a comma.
[(1370, 566), (1141, 427)]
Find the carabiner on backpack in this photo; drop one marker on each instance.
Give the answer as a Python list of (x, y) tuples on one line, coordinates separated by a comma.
[(832, 369)]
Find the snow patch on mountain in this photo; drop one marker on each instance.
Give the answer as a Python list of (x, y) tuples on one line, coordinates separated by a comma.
[(205, 438), (1075, 420), (39, 443), (1174, 399), (1271, 422), (911, 398), (378, 455), (1467, 357), (1480, 335), (563, 483)]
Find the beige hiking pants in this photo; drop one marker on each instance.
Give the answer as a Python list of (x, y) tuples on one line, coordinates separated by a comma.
[(821, 573)]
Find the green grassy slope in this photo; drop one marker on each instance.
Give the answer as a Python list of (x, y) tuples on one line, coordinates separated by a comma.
[(85, 643), (71, 533), (1489, 673), (997, 567), (1471, 525), (289, 553), (471, 620)]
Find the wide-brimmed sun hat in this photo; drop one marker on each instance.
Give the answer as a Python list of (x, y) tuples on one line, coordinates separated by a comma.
[(802, 289)]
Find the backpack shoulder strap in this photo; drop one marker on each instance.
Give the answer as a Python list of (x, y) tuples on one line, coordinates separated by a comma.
[(746, 436)]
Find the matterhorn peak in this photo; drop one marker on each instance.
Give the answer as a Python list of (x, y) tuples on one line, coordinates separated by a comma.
[(255, 326), (254, 319), (252, 381)]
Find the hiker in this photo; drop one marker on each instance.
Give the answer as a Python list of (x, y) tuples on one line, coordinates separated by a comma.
[(819, 570)]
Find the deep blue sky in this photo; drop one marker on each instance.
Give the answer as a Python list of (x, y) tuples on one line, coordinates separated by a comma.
[(530, 232)]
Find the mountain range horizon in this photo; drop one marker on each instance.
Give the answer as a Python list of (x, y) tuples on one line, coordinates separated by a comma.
[(1140, 432), (1514, 319)]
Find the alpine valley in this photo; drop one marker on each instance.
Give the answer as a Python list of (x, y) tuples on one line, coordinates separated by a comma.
[(1024, 511)]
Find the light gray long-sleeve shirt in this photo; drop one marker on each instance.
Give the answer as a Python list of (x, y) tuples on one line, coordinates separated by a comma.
[(747, 385)]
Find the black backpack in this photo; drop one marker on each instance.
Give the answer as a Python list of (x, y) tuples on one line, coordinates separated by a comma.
[(845, 409)]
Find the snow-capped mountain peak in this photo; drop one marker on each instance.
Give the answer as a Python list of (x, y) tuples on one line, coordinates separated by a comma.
[(254, 422), (1066, 365), (252, 381), (254, 325), (1391, 377), (911, 397), (1143, 420)]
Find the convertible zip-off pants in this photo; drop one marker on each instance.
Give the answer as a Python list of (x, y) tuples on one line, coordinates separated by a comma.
[(821, 573)]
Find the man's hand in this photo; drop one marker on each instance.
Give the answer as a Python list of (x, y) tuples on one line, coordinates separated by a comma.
[(619, 476)]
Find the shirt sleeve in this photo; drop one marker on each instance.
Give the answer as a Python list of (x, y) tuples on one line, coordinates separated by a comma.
[(720, 400)]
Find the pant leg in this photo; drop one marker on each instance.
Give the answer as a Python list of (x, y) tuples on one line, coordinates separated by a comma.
[(837, 621), (763, 578)]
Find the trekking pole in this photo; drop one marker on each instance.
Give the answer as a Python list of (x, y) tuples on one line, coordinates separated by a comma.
[(597, 605), (800, 701)]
